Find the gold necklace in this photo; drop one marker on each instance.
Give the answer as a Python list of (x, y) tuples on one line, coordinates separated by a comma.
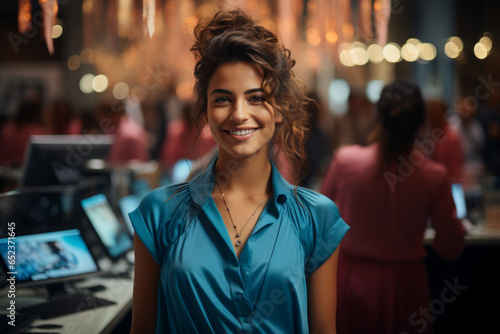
[(238, 234)]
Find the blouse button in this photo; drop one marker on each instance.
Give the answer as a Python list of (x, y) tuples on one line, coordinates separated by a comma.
[(246, 320), (239, 295)]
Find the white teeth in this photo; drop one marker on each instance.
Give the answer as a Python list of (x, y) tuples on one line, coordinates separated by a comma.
[(240, 132)]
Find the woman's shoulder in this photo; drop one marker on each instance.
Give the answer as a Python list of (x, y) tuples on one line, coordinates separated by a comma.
[(317, 205), (165, 198), (433, 169)]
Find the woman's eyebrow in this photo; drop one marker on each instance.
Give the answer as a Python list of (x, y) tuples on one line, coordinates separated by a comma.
[(254, 90), (225, 91), (221, 91)]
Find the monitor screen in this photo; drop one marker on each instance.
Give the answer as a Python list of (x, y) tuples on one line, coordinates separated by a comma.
[(128, 204), (457, 191), (60, 159), (43, 258), (112, 234)]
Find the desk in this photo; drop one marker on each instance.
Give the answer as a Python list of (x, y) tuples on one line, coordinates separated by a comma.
[(99, 320), (477, 235)]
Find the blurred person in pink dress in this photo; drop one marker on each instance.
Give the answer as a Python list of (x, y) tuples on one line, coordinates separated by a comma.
[(448, 148), (130, 138), (15, 134), (179, 142), (386, 192)]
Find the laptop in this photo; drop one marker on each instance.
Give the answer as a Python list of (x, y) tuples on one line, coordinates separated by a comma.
[(128, 204), (45, 258), (113, 235)]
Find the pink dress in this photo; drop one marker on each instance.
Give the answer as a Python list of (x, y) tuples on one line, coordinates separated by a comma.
[(449, 152), (382, 280), (177, 144), (130, 143), (13, 141)]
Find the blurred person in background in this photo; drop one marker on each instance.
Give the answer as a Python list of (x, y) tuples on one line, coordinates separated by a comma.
[(448, 148), (354, 126), (61, 118), (316, 144), (130, 138), (181, 132), (386, 193), (472, 137), (490, 119), (154, 124), (15, 134)]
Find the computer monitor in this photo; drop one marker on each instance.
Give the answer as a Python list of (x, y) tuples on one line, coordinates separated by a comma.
[(61, 159), (47, 259), (128, 204), (457, 191), (113, 236)]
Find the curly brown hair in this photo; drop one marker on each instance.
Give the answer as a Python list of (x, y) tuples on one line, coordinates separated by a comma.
[(232, 36)]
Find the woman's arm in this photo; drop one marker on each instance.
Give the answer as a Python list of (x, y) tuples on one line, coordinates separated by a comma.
[(145, 300), (322, 291)]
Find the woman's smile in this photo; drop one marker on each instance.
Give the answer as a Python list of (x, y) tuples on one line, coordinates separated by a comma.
[(241, 134)]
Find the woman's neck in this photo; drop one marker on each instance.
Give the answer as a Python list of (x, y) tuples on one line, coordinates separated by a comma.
[(249, 176)]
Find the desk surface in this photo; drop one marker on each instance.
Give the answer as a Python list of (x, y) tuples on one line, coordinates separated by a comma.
[(100, 320), (477, 235)]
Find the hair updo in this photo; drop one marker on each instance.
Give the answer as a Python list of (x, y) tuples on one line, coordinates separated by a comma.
[(233, 36)]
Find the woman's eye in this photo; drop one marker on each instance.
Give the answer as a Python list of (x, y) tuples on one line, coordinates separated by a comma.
[(221, 99), (257, 99)]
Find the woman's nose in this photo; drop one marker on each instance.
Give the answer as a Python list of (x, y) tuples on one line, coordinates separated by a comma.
[(240, 112)]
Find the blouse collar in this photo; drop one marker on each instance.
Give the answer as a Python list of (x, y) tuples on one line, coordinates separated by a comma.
[(202, 184)]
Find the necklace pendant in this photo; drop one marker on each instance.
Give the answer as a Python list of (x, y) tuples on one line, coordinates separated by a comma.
[(238, 235), (238, 243)]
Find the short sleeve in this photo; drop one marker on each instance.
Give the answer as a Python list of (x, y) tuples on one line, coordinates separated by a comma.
[(326, 230), (146, 231), (161, 218)]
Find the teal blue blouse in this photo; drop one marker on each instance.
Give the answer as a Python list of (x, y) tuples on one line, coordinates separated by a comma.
[(205, 288)]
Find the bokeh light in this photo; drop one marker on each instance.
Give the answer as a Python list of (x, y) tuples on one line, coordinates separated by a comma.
[(332, 37), (392, 53), (375, 53), (345, 58), (427, 51), (74, 62), (86, 83), (488, 43), (57, 31), (121, 91), (338, 96), (373, 90), (313, 36), (100, 83), (358, 55), (453, 47), (480, 50), (409, 52)]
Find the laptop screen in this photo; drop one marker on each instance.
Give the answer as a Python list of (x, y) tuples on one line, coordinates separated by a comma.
[(43, 257), (128, 204), (108, 228), (457, 191)]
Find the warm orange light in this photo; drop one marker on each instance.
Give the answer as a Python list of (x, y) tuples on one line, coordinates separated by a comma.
[(332, 37), (348, 29), (313, 36)]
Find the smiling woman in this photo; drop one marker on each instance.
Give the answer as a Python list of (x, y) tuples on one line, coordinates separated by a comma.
[(238, 249)]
